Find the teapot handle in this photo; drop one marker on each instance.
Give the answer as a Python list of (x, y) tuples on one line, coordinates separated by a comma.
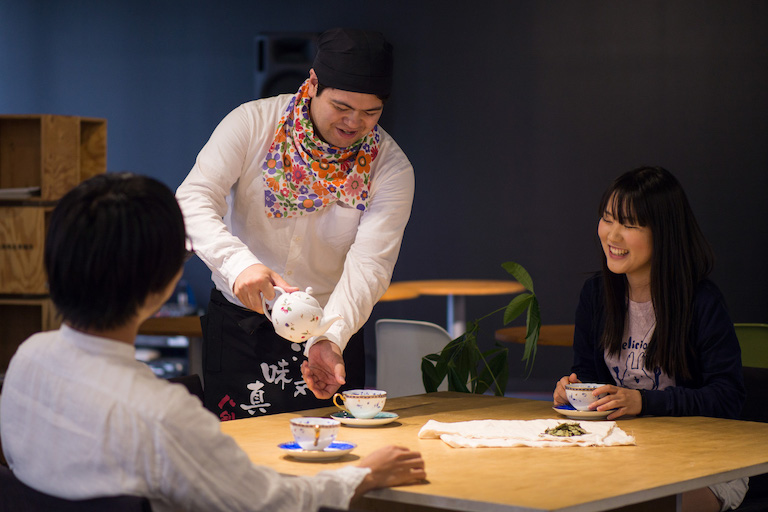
[(264, 302)]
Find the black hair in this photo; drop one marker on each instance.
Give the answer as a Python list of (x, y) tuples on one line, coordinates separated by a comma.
[(112, 240), (321, 88), (680, 259)]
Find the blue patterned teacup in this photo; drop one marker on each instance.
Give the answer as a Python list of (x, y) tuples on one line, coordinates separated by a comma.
[(580, 394), (361, 403)]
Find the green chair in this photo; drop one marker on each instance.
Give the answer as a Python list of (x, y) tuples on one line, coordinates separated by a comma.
[(753, 339)]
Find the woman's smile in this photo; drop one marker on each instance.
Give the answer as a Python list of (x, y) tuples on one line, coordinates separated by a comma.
[(616, 252)]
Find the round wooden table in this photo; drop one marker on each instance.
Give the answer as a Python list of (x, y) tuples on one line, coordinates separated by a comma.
[(399, 291), (456, 291), (554, 335)]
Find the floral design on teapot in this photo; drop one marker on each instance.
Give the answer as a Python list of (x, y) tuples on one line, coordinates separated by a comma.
[(297, 316)]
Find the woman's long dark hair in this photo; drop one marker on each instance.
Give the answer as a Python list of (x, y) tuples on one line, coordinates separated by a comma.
[(681, 258)]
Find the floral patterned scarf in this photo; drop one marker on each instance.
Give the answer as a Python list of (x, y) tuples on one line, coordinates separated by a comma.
[(303, 174)]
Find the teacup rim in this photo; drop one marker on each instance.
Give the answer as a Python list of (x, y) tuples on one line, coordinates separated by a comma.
[(576, 386), (312, 421), (367, 393)]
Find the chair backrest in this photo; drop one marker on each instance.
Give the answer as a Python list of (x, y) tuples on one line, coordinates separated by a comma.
[(15, 496), (753, 339), (400, 345), (755, 383)]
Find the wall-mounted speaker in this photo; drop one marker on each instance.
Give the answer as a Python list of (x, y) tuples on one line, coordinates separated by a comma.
[(283, 61)]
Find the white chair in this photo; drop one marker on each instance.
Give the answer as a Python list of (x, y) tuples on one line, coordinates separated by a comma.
[(400, 345)]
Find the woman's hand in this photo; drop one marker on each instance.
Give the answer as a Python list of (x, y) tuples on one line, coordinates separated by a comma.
[(559, 395), (624, 400)]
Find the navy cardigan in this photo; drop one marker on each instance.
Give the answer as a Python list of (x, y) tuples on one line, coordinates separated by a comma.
[(717, 385)]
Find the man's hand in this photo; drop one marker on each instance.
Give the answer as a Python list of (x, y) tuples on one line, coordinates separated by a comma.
[(324, 370), (257, 280), (391, 465)]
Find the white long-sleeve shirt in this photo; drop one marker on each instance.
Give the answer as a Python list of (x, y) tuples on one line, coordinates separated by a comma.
[(345, 255), (80, 418)]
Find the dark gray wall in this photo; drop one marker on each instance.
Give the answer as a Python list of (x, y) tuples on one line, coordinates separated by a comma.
[(515, 115)]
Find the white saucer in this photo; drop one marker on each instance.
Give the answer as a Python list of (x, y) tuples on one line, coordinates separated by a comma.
[(380, 419), (332, 451), (569, 411)]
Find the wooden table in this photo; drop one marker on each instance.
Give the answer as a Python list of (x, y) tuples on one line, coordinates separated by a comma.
[(399, 291), (188, 326), (554, 335), (456, 291), (673, 455), (172, 326)]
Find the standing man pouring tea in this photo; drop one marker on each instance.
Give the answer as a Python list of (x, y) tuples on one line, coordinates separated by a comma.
[(297, 191)]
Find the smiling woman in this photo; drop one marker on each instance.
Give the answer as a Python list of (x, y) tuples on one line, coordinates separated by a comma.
[(652, 329), (646, 213)]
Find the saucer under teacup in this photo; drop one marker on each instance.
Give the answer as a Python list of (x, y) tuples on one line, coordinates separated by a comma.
[(381, 418), (334, 450)]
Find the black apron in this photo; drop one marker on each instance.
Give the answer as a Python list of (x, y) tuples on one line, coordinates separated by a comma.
[(249, 370)]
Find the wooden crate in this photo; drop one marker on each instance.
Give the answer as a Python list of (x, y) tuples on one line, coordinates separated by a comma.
[(49, 152), (21, 318), (22, 241)]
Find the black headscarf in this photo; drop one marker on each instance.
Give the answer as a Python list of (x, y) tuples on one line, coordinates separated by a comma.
[(354, 60)]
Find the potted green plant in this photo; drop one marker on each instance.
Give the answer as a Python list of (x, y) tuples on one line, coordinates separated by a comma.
[(467, 368)]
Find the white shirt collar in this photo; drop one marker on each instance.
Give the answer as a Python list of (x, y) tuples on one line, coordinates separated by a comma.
[(97, 344)]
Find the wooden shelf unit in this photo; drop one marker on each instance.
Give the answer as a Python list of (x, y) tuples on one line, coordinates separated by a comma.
[(42, 157), (20, 318), (22, 241), (51, 152)]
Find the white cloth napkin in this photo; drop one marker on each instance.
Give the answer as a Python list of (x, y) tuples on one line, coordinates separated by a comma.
[(503, 433)]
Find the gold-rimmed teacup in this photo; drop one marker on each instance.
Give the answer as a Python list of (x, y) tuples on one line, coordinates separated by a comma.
[(361, 403), (314, 433)]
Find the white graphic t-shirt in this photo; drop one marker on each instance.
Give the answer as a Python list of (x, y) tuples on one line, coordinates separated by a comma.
[(628, 367)]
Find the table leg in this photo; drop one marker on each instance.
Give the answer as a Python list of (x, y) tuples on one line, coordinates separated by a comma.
[(457, 315)]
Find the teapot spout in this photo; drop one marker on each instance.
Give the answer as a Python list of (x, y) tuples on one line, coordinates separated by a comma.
[(325, 324)]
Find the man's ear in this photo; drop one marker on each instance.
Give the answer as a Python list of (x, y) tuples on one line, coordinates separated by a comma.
[(313, 81)]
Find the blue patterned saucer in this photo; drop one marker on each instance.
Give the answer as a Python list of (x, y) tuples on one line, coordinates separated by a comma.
[(330, 452)]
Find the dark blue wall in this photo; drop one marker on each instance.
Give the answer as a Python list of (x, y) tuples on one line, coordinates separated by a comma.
[(514, 114)]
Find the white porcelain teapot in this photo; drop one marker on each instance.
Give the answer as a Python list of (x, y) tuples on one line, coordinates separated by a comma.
[(297, 316)]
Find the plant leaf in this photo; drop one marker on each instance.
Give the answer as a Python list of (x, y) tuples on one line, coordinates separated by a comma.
[(448, 355), (532, 336), (455, 382), (533, 320), (516, 307), (496, 371), (465, 365), (519, 273), (429, 376)]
